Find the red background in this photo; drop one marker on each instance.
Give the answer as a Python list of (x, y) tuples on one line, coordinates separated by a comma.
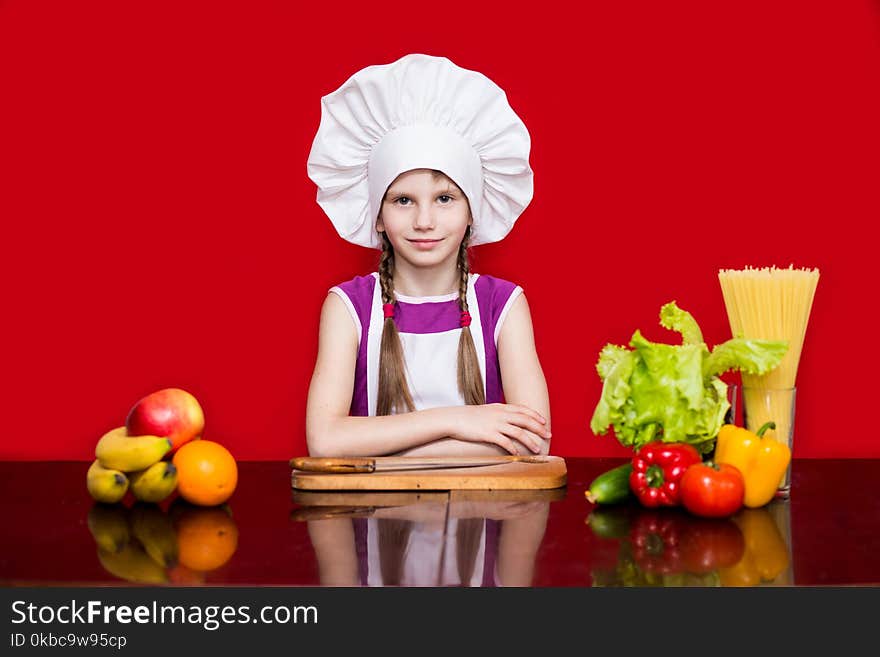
[(159, 227)]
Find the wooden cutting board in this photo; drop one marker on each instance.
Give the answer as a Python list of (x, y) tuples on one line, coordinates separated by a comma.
[(506, 476)]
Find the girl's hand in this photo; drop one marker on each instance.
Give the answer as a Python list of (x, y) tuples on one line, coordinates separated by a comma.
[(522, 450), (504, 425)]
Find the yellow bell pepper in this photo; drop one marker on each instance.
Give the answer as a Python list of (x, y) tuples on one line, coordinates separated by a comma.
[(765, 555), (761, 461)]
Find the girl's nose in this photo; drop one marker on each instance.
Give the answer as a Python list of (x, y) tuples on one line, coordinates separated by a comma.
[(424, 218)]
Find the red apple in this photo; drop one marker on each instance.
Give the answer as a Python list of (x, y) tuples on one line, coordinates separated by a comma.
[(170, 412)]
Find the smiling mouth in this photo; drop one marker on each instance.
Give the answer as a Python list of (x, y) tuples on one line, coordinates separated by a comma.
[(426, 241)]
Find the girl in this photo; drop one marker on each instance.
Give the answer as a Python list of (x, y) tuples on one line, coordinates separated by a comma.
[(422, 159)]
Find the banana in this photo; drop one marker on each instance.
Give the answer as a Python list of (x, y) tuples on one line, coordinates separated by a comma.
[(109, 526), (118, 451), (131, 563), (155, 483), (106, 484), (155, 532)]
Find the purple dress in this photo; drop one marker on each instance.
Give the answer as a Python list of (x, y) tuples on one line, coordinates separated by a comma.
[(429, 331)]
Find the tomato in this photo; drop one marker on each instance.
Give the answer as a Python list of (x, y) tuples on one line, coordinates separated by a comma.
[(712, 490)]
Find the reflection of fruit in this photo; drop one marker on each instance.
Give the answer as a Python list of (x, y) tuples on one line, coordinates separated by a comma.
[(132, 564), (180, 575), (106, 484), (170, 412), (206, 472), (154, 530), (119, 451), (155, 483), (109, 526), (206, 538)]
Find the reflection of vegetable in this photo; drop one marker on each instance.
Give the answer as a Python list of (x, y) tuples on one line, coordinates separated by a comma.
[(672, 392), (627, 573), (611, 521), (766, 553), (610, 487), (657, 471), (661, 547), (762, 461), (712, 490), (656, 538), (711, 544)]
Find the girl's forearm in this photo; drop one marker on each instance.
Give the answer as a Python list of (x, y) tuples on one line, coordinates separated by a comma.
[(454, 447), (379, 435)]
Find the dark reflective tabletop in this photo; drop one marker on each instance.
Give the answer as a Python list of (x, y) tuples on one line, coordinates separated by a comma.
[(826, 534)]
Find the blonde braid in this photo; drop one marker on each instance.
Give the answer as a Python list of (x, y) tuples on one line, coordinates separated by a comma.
[(386, 271), (470, 378), (393, 394)]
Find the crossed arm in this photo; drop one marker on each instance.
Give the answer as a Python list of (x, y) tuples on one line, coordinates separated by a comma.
[(522, 379), (331, 432)]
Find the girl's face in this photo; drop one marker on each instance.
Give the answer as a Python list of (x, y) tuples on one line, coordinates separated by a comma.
[(425, 217)]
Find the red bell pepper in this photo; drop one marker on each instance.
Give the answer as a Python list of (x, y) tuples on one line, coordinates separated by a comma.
[(657, 471)]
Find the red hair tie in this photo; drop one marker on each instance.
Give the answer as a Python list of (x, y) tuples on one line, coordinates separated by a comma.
[(389, 309), (465, 319)]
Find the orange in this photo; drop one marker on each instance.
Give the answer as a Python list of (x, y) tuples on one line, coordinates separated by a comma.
[(206, 538), (206, 472)]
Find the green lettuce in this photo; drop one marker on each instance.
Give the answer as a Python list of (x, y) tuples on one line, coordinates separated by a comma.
[(672, 392)]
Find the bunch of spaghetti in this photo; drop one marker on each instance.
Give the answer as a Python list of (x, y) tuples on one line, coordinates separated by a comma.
[(770, 304)]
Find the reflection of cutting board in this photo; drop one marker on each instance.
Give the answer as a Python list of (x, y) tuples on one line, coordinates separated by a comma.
[(331, 504), (507, 476), (340, 498)]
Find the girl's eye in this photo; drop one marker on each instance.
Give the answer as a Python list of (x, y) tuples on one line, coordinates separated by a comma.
[(406, 200)]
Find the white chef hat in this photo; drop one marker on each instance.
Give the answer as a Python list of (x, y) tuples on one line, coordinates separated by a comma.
[(420, 112)]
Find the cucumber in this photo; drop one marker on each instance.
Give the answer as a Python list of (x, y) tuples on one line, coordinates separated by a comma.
[(610, 487)]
